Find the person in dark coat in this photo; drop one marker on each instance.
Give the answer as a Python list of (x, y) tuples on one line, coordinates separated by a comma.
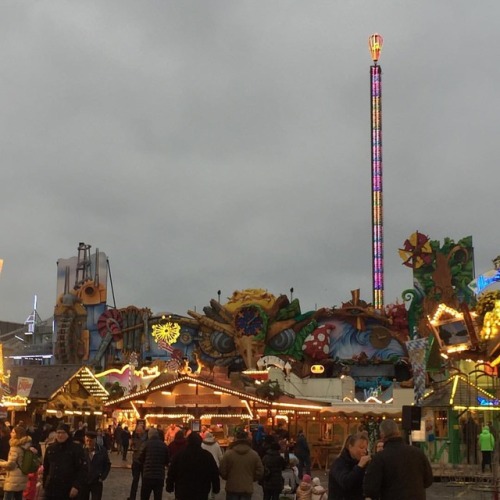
[(64, 467), (399, 471), (139, 437), (274, 464), (125, 437), (117, 438), (193, 462), (99, 465), (153, 459), (345, 481), (79, 434), (4, 442), (303, 453), (178, 444)]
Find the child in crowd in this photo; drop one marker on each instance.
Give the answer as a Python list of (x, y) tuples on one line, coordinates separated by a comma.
[(318, 492), (39, 493), (290, 477), (304, 491)]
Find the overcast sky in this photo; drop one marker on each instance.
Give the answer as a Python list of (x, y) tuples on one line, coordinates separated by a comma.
[(220, 145)]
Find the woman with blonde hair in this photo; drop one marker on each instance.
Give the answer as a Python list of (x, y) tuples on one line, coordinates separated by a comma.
[(345, 481)]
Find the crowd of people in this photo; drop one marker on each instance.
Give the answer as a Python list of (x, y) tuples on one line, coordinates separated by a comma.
[(191, 464)]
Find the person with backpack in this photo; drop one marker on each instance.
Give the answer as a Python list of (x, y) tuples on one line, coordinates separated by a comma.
[(16, 479)]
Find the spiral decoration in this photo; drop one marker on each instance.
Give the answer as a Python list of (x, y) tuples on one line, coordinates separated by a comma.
[(110, 320), (222, 342), (283, 341)]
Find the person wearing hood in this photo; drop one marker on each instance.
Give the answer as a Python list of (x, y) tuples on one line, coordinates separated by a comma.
[(15, 480), (64, 466), (486, 445), (274, 464), (178, 444), (240, 467), (318, 491), (191, 462), (345, 481), (210, 444)]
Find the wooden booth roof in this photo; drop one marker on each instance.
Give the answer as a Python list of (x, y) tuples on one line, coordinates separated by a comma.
[(49, 380), (162, 383)]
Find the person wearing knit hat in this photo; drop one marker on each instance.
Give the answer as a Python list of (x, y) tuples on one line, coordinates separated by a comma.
[(64, 466), (318, 492), (62, 427), (210, 444), (153, 458), (304, 491)]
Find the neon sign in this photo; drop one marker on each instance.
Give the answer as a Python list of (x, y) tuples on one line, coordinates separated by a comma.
[(487, 402), (484, 281)]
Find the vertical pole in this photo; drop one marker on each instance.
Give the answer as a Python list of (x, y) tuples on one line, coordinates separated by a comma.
[(377, 202)]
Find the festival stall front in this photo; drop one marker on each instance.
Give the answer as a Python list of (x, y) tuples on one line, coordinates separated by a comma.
[(193, 401), (68, 393), (454, 413)]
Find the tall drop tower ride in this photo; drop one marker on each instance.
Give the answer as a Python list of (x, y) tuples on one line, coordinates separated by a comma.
[(375, 42)]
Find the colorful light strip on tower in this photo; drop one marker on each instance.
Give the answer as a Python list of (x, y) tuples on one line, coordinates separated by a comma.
[(375, 43)]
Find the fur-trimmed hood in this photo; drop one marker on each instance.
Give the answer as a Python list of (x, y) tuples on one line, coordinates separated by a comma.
[(24, 442)]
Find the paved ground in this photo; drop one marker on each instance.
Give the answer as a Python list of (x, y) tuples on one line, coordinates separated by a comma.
[(117, 486)]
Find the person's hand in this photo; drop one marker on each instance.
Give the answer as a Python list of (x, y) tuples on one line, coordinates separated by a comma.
[(73, 493), (364, 461), (34, 450)]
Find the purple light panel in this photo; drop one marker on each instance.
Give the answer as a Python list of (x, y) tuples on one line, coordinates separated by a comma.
[(377, 205)]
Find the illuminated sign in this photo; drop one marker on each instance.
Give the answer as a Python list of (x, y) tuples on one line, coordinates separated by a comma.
[(197, 399), (484, 281), (168, 332), (488, 402), (317, 369)]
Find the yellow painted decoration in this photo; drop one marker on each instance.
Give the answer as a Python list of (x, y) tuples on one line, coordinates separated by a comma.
[(168, 332), (491, 322), (317, 369), (257, 296)]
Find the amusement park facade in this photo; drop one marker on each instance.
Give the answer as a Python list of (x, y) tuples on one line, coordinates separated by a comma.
[(429, 361)]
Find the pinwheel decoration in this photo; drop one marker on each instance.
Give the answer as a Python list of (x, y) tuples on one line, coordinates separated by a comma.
[(416, 251)]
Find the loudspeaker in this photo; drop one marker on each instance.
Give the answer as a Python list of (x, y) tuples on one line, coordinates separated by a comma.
[(411, 418)]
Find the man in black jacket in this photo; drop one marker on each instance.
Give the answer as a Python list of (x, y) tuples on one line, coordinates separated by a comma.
[(399, 471), (153, 458), (193, 462), (64, 467), (99, 466)]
